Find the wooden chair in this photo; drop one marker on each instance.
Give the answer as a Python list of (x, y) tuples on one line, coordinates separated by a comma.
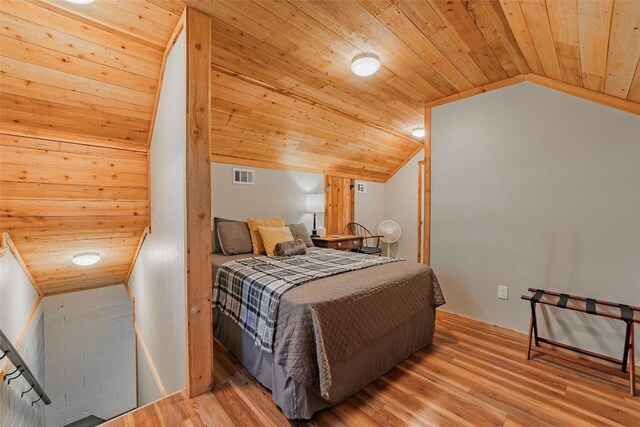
[(356, 229)]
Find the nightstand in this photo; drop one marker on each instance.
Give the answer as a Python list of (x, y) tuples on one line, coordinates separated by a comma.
[(341, 242)]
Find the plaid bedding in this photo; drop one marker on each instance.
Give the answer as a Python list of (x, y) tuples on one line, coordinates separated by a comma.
[(249, 290)]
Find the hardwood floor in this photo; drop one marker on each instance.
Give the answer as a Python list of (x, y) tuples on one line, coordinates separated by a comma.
[(474, 375)]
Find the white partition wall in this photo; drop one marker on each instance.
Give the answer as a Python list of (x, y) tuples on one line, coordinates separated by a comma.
[(22, 321), (536, 188), (158, 277)]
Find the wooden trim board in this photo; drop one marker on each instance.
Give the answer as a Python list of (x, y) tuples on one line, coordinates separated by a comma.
[(135, 257), (420, 173), (584, 93), (581, 92), (198, 288), (426, 248), (23, 331), (147, 356), (401, 165), (170, 43), (476, 91), (8, 243)]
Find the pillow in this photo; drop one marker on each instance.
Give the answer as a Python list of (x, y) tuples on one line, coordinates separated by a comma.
[(234, 238), (256, 240), (293, 247), (299, 231), (214, 233), (271, 236)]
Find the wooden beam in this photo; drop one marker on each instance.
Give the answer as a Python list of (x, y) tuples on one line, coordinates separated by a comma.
[(198, 216), (584, 93), (426, 248)]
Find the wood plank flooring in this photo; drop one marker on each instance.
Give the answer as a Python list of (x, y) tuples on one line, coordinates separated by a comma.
[(473, 375)]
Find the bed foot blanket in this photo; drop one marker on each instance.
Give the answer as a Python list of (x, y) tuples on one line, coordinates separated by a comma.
[(347, 301)]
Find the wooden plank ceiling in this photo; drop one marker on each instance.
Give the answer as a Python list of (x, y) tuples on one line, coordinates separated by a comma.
[(78, 84), (299, 102)]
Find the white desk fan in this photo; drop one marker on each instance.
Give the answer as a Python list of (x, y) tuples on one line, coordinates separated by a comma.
[(390, 232)]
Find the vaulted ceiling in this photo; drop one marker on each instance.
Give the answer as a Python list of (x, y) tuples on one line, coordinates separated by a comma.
[(78, 85), (296, 54)]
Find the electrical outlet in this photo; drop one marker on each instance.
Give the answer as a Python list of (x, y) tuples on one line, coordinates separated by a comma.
[(503, 292)]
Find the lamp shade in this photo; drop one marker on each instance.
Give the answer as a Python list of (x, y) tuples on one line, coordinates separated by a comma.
[(315, 202)]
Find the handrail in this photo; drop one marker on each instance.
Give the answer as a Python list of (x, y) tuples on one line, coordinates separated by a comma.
[(22, 369)]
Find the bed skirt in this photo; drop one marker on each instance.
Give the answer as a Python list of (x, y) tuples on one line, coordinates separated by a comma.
[(348, 376)]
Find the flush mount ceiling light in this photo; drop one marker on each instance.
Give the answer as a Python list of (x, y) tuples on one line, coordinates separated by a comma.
[(80, 1), (86, 258), (418, 132), (365, 64)]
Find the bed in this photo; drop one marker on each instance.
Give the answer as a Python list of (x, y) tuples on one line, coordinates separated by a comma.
[(334, 335)]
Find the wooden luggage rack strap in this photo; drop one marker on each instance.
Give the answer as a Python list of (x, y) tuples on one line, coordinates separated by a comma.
[(590, 306)]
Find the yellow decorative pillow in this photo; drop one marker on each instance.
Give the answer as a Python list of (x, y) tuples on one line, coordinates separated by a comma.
[(271, 236), (256, 240)]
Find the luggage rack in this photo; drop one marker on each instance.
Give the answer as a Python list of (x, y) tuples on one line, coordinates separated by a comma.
[(589, 306)]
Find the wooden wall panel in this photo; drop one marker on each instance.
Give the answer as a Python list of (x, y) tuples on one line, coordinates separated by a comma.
[(339, 204), (252, 121)]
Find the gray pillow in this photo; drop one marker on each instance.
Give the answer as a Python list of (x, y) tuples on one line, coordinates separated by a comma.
[(234, 238), (293, 247), (214, 233), (299, 231)]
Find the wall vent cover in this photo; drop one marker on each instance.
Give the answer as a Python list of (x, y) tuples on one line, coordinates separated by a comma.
[(244, 176)]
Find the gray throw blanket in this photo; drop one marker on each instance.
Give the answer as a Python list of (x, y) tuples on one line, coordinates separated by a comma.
[(249, 290)]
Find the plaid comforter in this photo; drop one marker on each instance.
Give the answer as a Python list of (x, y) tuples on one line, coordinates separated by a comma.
[(249, 290)]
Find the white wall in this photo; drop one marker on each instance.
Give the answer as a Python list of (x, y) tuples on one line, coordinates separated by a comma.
[(276, 193), (369, 209), (158, 277), (535, 188), (89, 355), (401, 206), (17, 299), (279, 193)]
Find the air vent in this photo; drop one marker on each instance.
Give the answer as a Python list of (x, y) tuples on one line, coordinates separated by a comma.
[(244, 176)]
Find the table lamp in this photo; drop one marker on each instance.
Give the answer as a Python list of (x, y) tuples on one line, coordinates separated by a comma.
[(315, 204)]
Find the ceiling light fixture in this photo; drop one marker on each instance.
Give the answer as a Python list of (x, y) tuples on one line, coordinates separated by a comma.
[(80, 1), (86, 258), (365, 64), (418, 132)]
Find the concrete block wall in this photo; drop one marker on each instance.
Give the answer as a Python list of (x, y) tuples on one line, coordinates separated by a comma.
[(89, 355), (14, 410)]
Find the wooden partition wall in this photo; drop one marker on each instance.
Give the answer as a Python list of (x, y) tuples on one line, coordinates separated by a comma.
[(339, 203)]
